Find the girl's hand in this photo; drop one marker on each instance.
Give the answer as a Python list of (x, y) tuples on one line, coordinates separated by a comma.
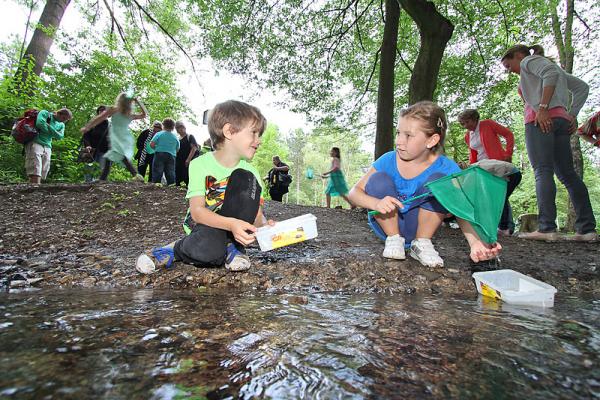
[(481, 251), (387, 205), (543, 120), (270, 222), (243, 232)]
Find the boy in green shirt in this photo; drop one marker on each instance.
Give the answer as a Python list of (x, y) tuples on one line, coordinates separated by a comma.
[(224, 194), (39, 150)]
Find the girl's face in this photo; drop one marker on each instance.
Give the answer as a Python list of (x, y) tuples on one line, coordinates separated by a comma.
[(412, 143), (469, 124), (513, 64)]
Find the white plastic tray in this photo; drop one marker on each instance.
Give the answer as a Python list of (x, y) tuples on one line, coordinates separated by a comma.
[(290, 231), (514, 287)]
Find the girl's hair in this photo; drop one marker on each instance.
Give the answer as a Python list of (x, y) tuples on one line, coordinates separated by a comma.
[(123, 104), (468, 114), (65, 112), (336, 152), (168, 124), (433, 118), (536, 49)]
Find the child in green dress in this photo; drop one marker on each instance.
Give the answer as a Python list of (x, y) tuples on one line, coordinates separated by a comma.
[(337, 183)]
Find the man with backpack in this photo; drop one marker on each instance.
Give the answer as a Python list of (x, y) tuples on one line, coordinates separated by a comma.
[(279, 179), (38, 151)]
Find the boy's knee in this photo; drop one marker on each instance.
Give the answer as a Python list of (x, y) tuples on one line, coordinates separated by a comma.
[(380, 185)]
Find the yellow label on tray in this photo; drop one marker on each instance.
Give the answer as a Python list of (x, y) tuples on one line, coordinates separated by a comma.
[(489, 292), (289, 237)]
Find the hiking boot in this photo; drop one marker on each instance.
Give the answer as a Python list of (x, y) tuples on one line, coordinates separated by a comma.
[(584, 237), (236, 260), (164, 256), (537, 235), (423, 251), (394, 248), (144, 264)]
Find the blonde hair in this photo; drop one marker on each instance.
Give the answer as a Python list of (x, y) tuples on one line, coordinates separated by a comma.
[(236, 113), (124, 104), (433, 118), (536, 49)]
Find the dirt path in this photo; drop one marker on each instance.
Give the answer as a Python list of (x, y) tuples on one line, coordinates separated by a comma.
[(90, 235)]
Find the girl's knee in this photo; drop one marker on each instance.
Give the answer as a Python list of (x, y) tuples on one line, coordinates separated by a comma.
[(380, 185)]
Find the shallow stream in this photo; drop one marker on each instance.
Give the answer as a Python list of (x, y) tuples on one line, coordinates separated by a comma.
[(148, 344)]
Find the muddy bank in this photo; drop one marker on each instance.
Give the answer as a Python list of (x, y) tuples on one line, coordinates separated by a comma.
[(90, 235)]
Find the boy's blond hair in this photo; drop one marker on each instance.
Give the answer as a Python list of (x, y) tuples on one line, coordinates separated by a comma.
[(236, 113), (433, 118)]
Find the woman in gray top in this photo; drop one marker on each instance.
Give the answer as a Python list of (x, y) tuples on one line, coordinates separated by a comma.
[(550, 118)]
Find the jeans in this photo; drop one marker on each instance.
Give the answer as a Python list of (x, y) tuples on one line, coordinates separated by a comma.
[(549, 154), (205, 245), (506, 221), (163, 163)]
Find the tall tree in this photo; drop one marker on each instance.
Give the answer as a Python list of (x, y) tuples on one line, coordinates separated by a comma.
[(39, 47)]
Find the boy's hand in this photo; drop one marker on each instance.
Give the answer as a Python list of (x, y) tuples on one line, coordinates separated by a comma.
[(481, 251), (243, 232), (270, 222), (387, 205)]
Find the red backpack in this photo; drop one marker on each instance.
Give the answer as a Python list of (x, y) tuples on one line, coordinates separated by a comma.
[(24, 130)]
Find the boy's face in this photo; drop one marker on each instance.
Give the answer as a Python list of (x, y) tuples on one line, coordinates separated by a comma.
[(246, 140)]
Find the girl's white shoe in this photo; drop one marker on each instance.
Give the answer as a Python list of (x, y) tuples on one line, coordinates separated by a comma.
[(394, 248), (423, 251), (145, 265)]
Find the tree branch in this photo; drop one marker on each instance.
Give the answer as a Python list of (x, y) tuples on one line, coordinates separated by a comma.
[(375, 62)]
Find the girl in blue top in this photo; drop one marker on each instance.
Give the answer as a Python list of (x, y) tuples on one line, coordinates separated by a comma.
[(403, 173)]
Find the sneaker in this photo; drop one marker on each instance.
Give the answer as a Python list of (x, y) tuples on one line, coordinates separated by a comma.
[(236, 260), (584, 237), (423, 251), (394, 248), (164, 256), (139, 178), (537, 235), (144, 264)]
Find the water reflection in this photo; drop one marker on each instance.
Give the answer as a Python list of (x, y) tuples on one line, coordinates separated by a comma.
[(175, 345)]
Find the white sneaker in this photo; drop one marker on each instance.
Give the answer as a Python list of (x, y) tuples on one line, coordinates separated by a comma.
[(394, 248), (423, 251), (144, 264), (236, 261)]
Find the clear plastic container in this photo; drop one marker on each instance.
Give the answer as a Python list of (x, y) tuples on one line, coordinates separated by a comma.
[(290, 231), (514, 287)]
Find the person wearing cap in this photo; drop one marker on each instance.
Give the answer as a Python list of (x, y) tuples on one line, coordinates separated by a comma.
[(145, 159)]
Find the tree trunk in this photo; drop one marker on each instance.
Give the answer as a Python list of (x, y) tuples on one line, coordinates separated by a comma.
[(435, 31), (564, 43), (384, 135), (43, 36)]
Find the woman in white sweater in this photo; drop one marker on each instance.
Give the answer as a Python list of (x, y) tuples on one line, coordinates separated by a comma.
[(550, 119)]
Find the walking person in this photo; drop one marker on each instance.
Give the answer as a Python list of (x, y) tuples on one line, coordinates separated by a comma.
[(550, 119), (95, 142), (145, 159), (50, 125), (121, 139), (188, 150), (337, 183), (279, 179)]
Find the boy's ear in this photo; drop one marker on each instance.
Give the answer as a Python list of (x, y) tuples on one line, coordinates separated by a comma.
[(228, 131), (433, 140)]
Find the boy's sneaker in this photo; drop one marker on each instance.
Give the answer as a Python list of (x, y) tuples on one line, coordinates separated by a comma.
[(144, 264), (394, 248), (164, 256), (236, 260), (423, 251)]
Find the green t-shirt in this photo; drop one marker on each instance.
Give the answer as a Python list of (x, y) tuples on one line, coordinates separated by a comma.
[(208, 178), (48, 128)]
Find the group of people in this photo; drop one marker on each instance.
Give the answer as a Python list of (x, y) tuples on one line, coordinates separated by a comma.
[(225, 191), (166, 149)]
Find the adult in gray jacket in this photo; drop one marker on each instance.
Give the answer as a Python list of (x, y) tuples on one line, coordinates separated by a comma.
[(550, 119)]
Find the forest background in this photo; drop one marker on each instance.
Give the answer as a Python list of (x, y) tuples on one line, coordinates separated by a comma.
[(349, 66)]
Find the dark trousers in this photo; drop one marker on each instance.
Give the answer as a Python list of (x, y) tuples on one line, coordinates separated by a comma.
[(207, 246), (506, 221), (549, 154), (143, 167), (181, 173), (163, 163), (277, 191)]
